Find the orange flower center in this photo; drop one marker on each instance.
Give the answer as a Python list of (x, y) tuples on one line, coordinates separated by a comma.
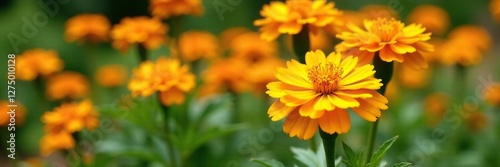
[(325, 77), (386, 29)]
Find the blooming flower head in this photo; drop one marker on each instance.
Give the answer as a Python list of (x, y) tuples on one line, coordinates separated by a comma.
[(169, 8), (37, 62), (250, 47), (111, 75), (434, 18), (87, 28), (289, 17), (436, 105), (67, 85), (194, 45), (390, 38), (148, 32), (492, 94), (65, 120), (473, 41), (5, 114), (225, 75), (167, 76), (495, 9), (319, 93)]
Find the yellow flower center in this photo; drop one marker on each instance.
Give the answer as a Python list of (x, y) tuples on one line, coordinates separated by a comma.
[(325, 77), (386, 29)]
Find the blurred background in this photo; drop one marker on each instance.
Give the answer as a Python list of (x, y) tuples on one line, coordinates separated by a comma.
[(440, 114)]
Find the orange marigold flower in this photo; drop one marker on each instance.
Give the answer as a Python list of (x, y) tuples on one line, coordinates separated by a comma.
[(473, 41), (87, 28), (111, 75), (319, 93), (228, 35), (379, 11), (52, 142), (435, 107), (37, 62), (251, 48), (67, 85), (194, 45), (434, 18), (492, 94), (149, 32), (71, 117), (225, 75), (167, 76), (169, 8), (495, 9), (412, 78), (65, 120), (260, 73), (289, 17), (476, 121), (6, 115), (390, 38)]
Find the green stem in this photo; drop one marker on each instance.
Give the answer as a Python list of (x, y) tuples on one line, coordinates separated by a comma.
[(143, 54), (166, 116), (312, 144), (329, 144), (383, 71), (301, 43)]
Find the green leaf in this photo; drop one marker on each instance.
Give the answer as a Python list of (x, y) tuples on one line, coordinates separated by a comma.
[(402, 164), (306, 156), (268, 162), (350, 159), (382, 150)]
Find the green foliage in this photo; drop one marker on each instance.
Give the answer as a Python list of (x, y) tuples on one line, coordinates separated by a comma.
[(268, 162), (356, 160)]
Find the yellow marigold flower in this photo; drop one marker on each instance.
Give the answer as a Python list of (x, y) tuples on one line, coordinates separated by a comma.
[(412, 78), (166, 75), (111, 75), (71, 117), (67, 85), (251, 48), (473, 41), (289, 17), (51, 142), (194, 45), (37, 62), (476, 121), (149, 32), (319, 93), (435, 107), (495, 9), (169, 8), (492, 94), (5, 114), (434, 18), (87, 28), (390, 38)]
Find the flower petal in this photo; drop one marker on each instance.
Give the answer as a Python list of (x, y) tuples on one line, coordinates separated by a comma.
[(336, 121), (302, 127), (315, 57), (278, 111), (343, 102)]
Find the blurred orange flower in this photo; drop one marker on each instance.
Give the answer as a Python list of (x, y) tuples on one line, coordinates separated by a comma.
[(67, 85), (390, 38), (251, 48), (434, 18), (477, 121), (225, 75), (194, 45), (169, 8), (227, 36), (87, 28), (111, 75), (412, 78), (37, 62), (435, 107), (289, 17), (319, 93), (65, 120), (495, 9), (5, 114), (492, 94), (148, 32), (166, 75), (379, 11), (473, 41)]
